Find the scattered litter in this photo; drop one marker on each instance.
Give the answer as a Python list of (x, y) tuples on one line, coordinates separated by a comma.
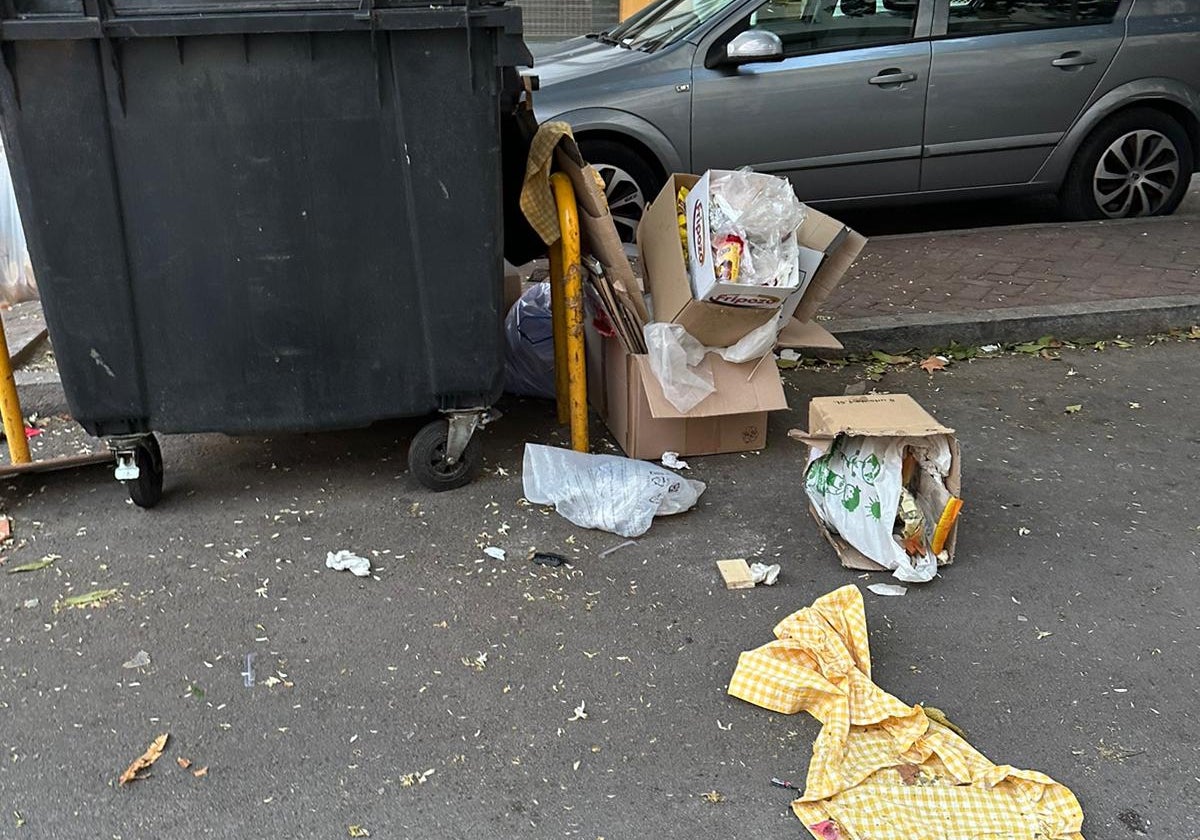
[(477, 662), (672, 461), (887, 589), (31, 603), (201, 772), (820, 663), (677, 361), (607, 492), (33, 566), (1073, 409), (545, 558), (826, 830), (495, 553), (183, 762), (990, 348), (140, 660), (617, 548), (357, 831), (736, 573), (31, 432), (144, 761), (248, 671), (414, 779), (96, 597), (714, 797), (780, 783), (1023, 531), (580, 713), (5, 528), (789, 355), (764, 574), (349, 562)]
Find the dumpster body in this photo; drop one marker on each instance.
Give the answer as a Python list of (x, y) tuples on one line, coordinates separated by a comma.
[(268, 215)]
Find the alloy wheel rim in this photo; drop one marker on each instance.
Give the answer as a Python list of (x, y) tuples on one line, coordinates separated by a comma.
[(626, 201), (1136, 174)]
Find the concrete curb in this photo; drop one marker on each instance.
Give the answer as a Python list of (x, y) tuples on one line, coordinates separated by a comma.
[(1185, 221), (1102, 319)]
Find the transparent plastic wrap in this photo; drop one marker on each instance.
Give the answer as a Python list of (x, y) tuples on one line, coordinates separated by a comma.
[(606, 492), (753, 218), (16, 271), (676, 359), (529, 336)]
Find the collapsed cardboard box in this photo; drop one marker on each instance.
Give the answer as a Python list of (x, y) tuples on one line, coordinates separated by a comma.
[(877, 416), (721, 325)]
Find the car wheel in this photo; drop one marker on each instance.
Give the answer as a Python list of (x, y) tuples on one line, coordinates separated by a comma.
[(629, 183), (1139, 163)]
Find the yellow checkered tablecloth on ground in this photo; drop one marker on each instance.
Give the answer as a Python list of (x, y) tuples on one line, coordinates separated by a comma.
[(882, 770)]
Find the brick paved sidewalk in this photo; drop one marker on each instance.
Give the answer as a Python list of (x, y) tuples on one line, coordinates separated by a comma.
[(949, 272)]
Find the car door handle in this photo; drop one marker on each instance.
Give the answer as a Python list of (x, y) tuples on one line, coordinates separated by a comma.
[(892, 76), (1074, 58)]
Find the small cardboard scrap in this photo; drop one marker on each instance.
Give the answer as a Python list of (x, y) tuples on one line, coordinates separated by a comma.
[(736, 573)]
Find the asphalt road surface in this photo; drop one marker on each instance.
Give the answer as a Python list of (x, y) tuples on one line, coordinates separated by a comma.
[(1064, 638)]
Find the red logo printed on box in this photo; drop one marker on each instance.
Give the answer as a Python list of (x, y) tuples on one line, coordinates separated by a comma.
[(698, 231)]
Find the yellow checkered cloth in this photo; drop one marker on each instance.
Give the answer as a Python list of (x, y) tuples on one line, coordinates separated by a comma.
[(537, 198), (882, 770)]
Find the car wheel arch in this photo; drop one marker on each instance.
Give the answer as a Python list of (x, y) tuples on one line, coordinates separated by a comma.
[(628, 129)]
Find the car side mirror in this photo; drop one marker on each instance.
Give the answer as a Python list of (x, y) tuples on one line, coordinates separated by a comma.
[(754, 45)]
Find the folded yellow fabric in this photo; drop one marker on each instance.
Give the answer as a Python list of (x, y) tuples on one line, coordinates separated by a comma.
[(883, 770), (537, 198)]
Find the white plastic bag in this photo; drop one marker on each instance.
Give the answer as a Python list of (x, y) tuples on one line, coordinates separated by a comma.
[(855, 488), (755, 344), (676, 359), (763, 211), (606, 492), (16, 271), (529, 335)]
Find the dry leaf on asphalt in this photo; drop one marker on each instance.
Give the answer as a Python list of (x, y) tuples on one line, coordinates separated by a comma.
[(933, 363), (889, 359), (48, 560), (713, 796), (358, 831), (1073, 409), (144, 760), (88, 599), (201, 773), (183, 762)]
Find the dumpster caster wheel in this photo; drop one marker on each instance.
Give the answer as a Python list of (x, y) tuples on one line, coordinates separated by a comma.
[(145, 491), (428, 462)]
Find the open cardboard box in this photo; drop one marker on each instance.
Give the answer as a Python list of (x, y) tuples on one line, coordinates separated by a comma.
[(875, 415), (721, 325)]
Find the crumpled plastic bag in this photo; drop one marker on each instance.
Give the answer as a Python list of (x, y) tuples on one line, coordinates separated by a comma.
[(754, 344), (676, 360), (606, 492), (855, 488), (529, 339), (763, 211), (17, 282)]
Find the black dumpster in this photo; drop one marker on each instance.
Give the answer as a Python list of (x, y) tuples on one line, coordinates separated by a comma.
[(255, 215)]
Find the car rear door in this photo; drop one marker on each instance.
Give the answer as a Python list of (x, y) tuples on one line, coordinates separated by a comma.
[(841, 114), (1008, 79)]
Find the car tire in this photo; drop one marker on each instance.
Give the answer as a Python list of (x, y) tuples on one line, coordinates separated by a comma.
[(1137, 163), (630, 182)]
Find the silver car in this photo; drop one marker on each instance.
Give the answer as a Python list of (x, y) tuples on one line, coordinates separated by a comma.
[(876, 101)]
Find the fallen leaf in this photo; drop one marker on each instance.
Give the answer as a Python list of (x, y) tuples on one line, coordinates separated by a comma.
[(1125, 345), (889, 359), (183, 762), (713, 796), (144, 760), (933, 363), (1073, 409), (358, 831), (1194, 333), (201, 773), (88, 599), (48, 560)]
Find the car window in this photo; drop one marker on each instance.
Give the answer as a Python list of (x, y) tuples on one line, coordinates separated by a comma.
[(980, 17), (665, 22), (807, 26)]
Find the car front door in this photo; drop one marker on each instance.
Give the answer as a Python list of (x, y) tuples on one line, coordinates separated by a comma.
[(1009, 77), (841, 114)]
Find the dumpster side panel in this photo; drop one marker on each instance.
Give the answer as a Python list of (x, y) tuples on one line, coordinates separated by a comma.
[(266, 231), (55, 116)]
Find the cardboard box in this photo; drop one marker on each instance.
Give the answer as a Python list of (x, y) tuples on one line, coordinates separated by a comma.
[(645, 424), (875, 415), (702, 265), (716, 324)]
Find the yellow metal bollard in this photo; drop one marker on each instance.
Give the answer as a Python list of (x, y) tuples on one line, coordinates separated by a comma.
[(566, 286), (10, 407)]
